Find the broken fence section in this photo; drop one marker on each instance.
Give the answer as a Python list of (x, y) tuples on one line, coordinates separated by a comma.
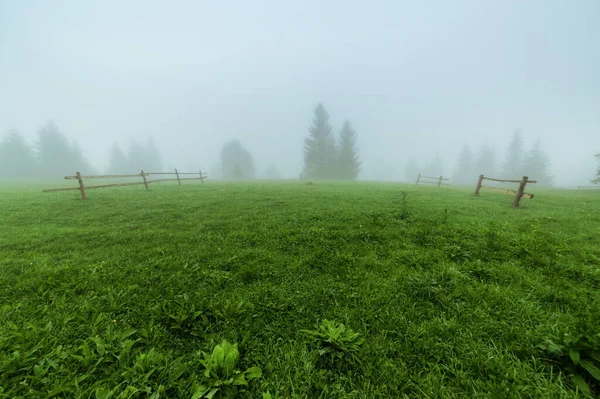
[(519, 193), (432, 180), (82, 188)]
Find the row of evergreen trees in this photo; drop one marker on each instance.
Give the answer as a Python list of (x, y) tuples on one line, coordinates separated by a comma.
[(139, 156), (328, 158), (533, 163), (52, 155)]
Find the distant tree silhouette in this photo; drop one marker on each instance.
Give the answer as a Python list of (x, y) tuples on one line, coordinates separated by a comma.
[(435, 167), (486, 163), (153, 157), (536, 165), (118, 162), (464, 172), (237, 173), (320, 149), (57, 157), (17, 158), (597, 179), (144, 157), (512, 168), (233, 157), (412, 170), (272, 173), (348, 161)]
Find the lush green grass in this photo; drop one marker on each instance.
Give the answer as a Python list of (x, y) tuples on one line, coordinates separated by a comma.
[(452, 294)]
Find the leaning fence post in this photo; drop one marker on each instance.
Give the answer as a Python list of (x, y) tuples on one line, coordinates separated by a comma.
[(177, 173), (81, 187), (201, 177), (418, 178), (440, 182), (520, 191), (479, 185), (145, 181)]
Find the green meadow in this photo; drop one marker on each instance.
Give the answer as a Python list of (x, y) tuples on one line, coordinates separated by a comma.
[(298, 290)]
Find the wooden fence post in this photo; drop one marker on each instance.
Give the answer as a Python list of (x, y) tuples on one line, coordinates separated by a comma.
[(520, 191), (145, 181), (81, 188), (418, 178), (440, 182), (201, 177), (177, 173), (479, 185)]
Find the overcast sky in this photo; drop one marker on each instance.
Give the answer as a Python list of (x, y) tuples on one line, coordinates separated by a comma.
[(416, 78)]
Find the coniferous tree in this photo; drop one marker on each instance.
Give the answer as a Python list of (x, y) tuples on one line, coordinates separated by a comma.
[(57, 156), (16, 156), (486, 163), (412, 170), (118, 162), (464, 173), (153, 158), (144, 157), (236, 162), (320, 147), (435, 167), (348, 161), (515, 156), (137, 157), (597, 179), (536, 165)]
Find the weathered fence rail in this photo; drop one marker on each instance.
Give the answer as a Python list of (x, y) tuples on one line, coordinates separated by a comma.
[(518, 193), (82, 188), (431, 180)]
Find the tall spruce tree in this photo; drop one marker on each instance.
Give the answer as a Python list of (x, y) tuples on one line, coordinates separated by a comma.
[(435, 167), (348, 161), (118, 162), (412, 170), (536, 165), (512, 168), (137, 157), (153, 158), (57, 156), (597, 179), (16, 156), (464, 173), (320, 148), (486, 163)]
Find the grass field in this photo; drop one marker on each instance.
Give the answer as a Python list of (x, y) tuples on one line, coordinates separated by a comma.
[(127, 294)]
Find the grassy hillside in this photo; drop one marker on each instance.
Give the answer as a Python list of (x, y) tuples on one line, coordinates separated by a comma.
[(452, 295)]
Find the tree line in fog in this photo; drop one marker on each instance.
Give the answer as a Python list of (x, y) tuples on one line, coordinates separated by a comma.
[(518, 162), (54, 155), (326, 156)]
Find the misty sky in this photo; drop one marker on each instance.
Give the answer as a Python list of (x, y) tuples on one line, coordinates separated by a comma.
[(414, 77)]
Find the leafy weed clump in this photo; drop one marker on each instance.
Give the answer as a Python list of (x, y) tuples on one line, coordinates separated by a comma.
[(222, 379), (578, 356), (336, 342)]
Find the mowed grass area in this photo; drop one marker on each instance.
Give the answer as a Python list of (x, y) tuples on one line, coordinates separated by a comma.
[(118, 296)]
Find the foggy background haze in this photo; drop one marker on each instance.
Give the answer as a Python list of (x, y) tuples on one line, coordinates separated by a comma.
[(416, 79)]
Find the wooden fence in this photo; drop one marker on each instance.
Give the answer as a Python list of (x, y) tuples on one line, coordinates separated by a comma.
[(519, 193), (578, 188), (142, 174), (431, 180)]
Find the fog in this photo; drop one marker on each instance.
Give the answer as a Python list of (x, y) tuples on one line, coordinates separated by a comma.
[(416, 79)]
